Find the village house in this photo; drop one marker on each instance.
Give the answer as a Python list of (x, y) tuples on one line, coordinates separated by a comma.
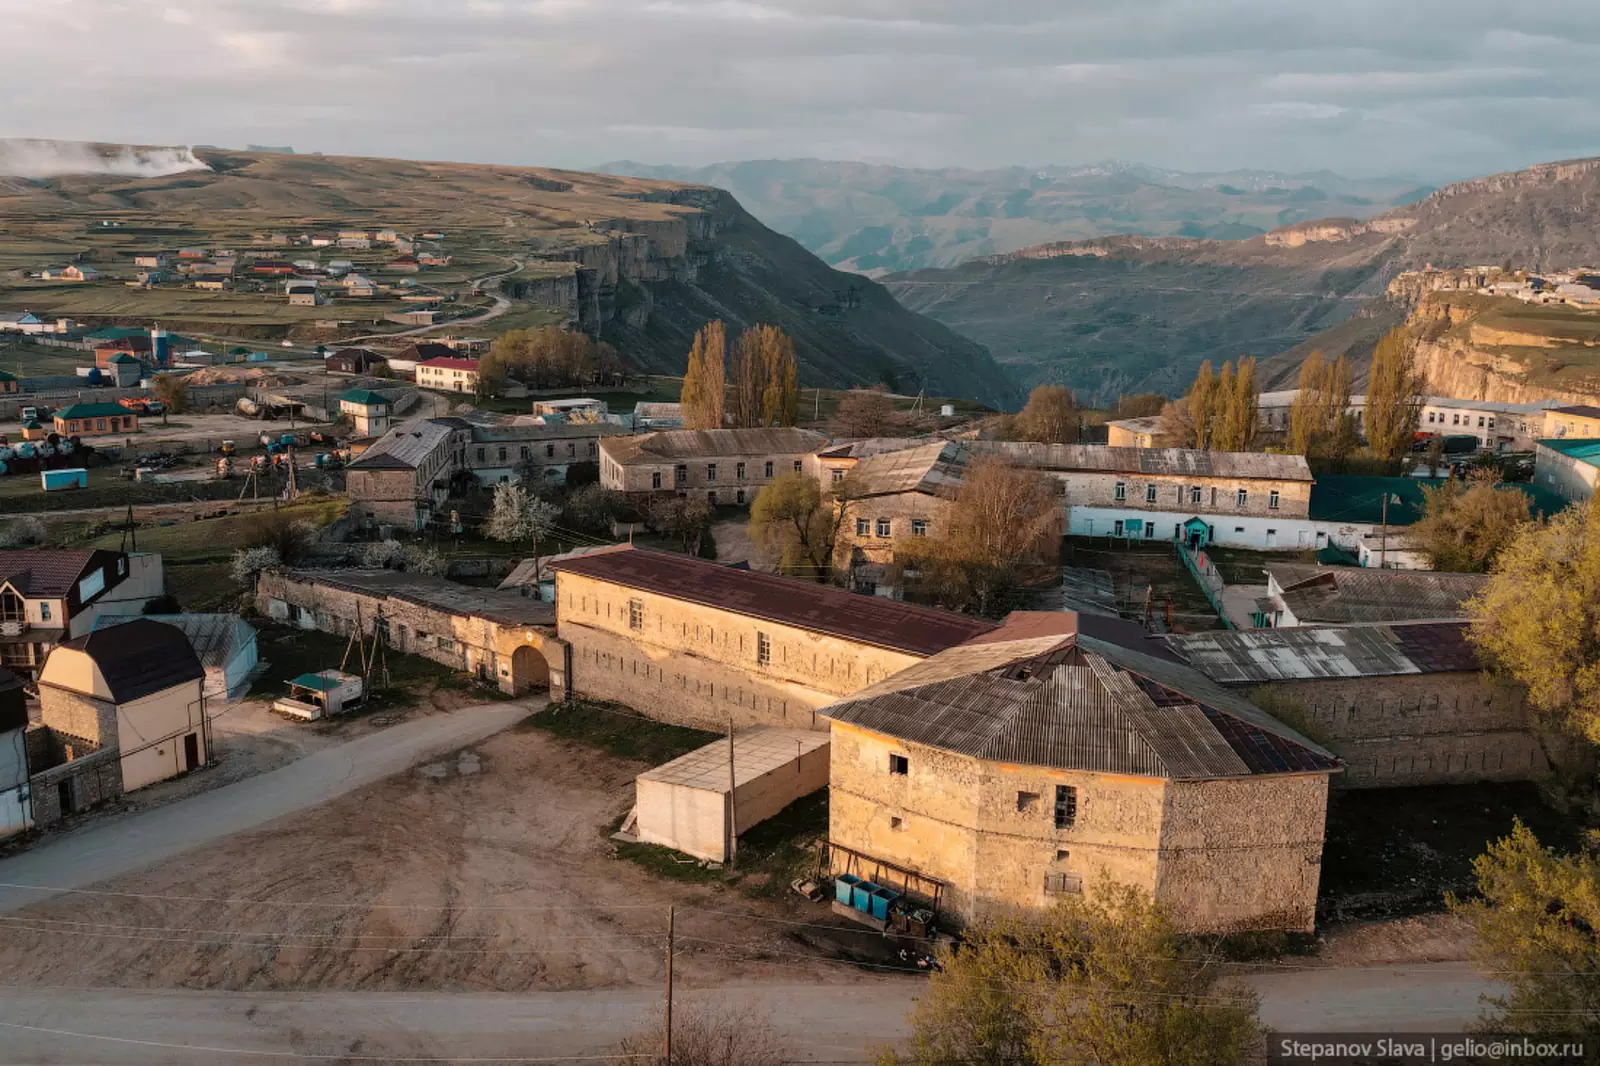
[(432, 259), (721, 465), (191, 253), (697, 643), (77, 272), (353, 361), (49, 595), (152, 260), (405, 264), (1133, 432), (1569, 467), (369, 412), (1300, 594), (527, 450), (1027, 763), (1403, 704), (651, 416), (358, 285), (8, 383), (214, 282), (405, 475), (1498, 426), (95, 420), (887, 497), (414, 318), (448, 374), (137, 687), (499, 637), (302, 292), (1576, 421), (277, 268)]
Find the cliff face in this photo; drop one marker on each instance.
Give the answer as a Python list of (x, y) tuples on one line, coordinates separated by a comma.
[(1484, 348)]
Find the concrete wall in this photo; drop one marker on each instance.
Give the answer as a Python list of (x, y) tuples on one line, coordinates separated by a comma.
[(695, 820), (1428, 729), (1221, 857), (1565, 475), (697, 665), (151, 734), (1284, 533)]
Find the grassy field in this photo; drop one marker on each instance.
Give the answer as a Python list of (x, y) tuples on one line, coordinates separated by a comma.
[(216, 539), (26, 359), (620, 731), (290, 652)]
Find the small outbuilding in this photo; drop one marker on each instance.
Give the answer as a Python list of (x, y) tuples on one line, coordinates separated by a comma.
[(698, 803), (321, 695), (13, 754)]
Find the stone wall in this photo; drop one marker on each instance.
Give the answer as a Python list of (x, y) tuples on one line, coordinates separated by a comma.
[(383, 496), (91, 779), (1428, 729), (735, 474), (1218, 496), (899, 508), (78, 715)]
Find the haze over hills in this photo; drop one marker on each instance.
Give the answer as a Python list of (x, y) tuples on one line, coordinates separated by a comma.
[(1133, 313), (640, 263), (879, 219)]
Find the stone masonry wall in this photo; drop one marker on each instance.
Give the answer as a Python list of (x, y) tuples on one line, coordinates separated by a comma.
[(1218, 496), (78, 715), (899, 509)]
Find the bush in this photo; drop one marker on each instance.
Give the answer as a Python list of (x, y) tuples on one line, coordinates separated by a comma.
[(21, 532), (286, 535), (709, 1036), (249, 562)]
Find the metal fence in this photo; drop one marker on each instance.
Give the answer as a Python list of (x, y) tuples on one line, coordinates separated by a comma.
[(1207, 576)]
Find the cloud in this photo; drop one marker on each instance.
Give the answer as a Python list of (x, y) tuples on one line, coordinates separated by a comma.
[(1438, 88), (52, 159)]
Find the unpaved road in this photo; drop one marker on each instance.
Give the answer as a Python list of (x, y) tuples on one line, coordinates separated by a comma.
[(81, 859), (834, 1021), (502, 304)]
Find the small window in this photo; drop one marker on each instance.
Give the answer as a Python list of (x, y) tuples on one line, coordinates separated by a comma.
[(739, 496), (1027, 802), (919, 527), (636, 614), (655, 479), (682, 473), (711, 471), (1150, 493), (838, 476), (863, 527), (502, 454), (769, 468), (44, 611), (446, 644), (763, 649), (1066, 806), (798, 466), (525, 452), (1062, 884), (883, 527), (1122, 491), (549, 451), (572, 449), (899, 764), (1272, 500), (1242, 498), (711, 498), (896, 822), (483, 454), (1194, 495), (1480, 421)]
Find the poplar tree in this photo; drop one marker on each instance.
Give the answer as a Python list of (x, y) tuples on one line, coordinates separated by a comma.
[(704, 381), (1394, 398), (749, 378), (1307, 411), (1201, 403), (780, 404)]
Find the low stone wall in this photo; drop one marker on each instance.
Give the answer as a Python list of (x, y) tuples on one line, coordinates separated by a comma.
[(91, 780)]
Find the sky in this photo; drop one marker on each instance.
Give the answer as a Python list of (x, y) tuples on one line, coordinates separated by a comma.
[(1435, 89)]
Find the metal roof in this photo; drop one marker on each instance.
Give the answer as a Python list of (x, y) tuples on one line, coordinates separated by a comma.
[(1259, 656), (1071, 708), (1347, 594), (803, 604), (216, 638), (1179, 462), (44, 571), (405, 447), (863, 447), (140, 657), (756, 752), (1579, 410), (1585, 450), (671, 444), (422, 590), (931, 469)]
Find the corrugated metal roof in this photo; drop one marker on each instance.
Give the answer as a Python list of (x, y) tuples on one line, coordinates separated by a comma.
[(216, 638), (1172, 461), (672, 444), (406, 446), (1340, 595), (756, 751), (803, 604), (1075, 709), (931, 469), (463, 601), (1258, 656)]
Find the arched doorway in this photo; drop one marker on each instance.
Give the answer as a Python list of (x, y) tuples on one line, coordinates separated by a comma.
[(530, 671)]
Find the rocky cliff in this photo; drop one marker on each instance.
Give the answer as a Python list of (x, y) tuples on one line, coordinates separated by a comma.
[(1488, 348)]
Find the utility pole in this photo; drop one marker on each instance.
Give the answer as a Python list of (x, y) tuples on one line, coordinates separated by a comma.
[(1383, 538), (668, 1034), (816, 405), (733, 810)]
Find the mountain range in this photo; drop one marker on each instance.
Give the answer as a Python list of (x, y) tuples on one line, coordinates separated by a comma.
[(876, 219)]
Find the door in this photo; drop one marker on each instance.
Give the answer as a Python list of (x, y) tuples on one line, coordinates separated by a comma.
[(64, 796), (191, 751), (1272, 538)]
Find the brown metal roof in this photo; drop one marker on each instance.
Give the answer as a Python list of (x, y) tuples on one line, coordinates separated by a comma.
[(1305, 653), (1171, 461), (140, 658), (930, 469), (672, 444), (44, 571), (802, 604)]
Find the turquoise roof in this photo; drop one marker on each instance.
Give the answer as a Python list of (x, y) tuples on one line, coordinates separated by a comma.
[(315, 682), (93, 410), (364, 397), (1583, 449), (122, 357)]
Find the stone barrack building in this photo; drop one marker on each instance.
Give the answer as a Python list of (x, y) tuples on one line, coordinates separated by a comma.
[(721, 465), (1028, 763), (697, 643)]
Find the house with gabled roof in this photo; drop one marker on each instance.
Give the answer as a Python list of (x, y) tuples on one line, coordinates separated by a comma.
[(48, 595)]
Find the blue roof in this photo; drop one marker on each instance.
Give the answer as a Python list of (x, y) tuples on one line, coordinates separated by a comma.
[(1583, 449)]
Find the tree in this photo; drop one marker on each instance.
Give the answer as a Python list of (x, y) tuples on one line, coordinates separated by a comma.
[(518, 515), (1537, 621), (1320, 421), (172, 391), (780, 406), (540, 358), (1004, 521), (1235, 408), (864, 413), (721, 1035), (704, 381), (593, 508), (1537, 920), (1201, 403), (749, 379), (1463, 528), (688, 518), (1102, 979), (249, 562), (1050, 416), (1394, 398), (1140, 405), (792, 520)]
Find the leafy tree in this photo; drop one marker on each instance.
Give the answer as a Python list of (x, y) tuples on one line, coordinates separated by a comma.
[(1050, 417), (687, 518), (540, 358), (1305, 414), (393, 555), (1538, 619), (249, 562), (1537, 920), (519, 516), (1005, 521), (1394, 398), (749, 379), (1320, 421), (1101, 979), (593, 507), (1140, 405), (704, 382), (780, 406), (1237, 408), (864, 413), (1201, 403), (792, 520), (1464, 528), (172, 391)]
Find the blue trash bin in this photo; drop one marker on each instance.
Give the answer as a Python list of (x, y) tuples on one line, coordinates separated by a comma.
[(862, 892), (843, 886), (881, 898)]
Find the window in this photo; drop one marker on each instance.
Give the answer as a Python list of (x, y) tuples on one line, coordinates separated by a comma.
[(446, 644), (572, 449), (1062, 884), (1272, 500), (525, 452), (549, 451), (1455, 420), (863, 527), (769, 469), (838, 476), (655, 479), (883, 527), (896, 822), (711, 471), (738, 472), (1480, 421), (1150, 493), (1027, 801), (919, 527), (1066, 806), (591, 449), (1194, 495), (44, 611), (502, 454), (711, 498), (636, 614), (682, 473), (899, 764), (1122, 491), (1242, 498), (763, 649), (798, 466), (483, 454)]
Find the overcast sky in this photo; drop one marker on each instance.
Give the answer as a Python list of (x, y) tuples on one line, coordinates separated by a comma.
[(1433, 88)]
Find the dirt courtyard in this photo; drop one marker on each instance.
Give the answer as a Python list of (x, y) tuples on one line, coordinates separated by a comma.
[(486, 870)]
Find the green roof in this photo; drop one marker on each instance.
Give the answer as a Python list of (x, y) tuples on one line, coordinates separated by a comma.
[(1583, 449), (6, 375), (32, 423), (365, 397), (122, 357), (117, 333), (1359, 498), (92, 410), (315, 682)]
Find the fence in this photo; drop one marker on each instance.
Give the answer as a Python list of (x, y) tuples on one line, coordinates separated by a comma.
[(1207, 576)]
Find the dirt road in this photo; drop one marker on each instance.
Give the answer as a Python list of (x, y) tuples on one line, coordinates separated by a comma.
[(501, 306), (834, 1021), (81, 859)]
